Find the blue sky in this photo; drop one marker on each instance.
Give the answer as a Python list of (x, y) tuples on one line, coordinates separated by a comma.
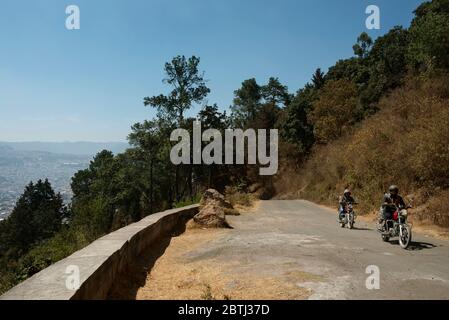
[(89, 84)]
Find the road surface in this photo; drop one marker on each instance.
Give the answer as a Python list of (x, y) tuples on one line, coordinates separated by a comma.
[(298, 237)]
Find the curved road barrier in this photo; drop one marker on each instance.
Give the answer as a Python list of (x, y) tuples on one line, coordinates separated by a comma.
[(90, 272)]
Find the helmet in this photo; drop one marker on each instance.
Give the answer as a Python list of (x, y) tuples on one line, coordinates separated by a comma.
[(347, 192), (394, 190)]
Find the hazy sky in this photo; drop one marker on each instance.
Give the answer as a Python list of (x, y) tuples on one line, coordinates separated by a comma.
[(88, 84)]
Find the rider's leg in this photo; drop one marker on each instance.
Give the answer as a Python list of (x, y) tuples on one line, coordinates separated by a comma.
[(340, 212)]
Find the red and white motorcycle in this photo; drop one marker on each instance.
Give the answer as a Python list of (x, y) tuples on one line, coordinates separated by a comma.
[(397, 226)]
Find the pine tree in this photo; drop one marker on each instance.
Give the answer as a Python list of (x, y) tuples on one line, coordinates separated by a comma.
[(37, 216)]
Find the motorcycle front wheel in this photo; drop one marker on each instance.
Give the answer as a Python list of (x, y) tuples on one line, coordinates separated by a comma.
[(406, 237)]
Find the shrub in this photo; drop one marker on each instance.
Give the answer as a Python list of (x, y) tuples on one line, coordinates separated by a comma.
[(236, 197), (187, 201)]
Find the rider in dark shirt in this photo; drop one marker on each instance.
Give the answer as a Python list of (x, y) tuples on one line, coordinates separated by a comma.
[(390, 202), (345, 199)]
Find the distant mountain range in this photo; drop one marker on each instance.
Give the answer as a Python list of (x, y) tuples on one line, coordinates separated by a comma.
[(74, 148)]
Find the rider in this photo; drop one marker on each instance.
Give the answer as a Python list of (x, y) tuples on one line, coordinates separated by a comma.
[(344, 200), (391, 201)]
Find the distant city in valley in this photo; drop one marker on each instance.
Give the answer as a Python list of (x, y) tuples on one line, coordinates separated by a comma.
[(22, 162)]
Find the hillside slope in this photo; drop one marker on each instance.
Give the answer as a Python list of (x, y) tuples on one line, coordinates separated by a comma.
[(405, 143)]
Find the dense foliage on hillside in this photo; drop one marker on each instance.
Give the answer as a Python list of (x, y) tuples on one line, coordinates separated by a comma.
[(405, 143), (380, 118), (376, 118)]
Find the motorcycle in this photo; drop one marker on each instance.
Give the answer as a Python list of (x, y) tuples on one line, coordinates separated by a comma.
[(397, 226), (349, 216)]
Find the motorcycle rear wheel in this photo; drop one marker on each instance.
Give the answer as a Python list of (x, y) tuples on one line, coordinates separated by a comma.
[(385, 238)]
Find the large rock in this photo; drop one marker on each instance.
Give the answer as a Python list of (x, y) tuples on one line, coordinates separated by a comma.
[(213, 210), (213, 196)]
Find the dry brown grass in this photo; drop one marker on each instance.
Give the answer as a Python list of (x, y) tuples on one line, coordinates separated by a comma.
[(436, 210), (173, 276), (405, 143), (238, 198)]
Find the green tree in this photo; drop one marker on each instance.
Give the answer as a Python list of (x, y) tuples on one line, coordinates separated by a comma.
[(212, 176), (318, 79), (246, 103), (350, 69), (429, 37), (37, 216), (363, 45), (150, 139), (188, 85), (211, 118), (387, 68), (275, 93), (296, 127), (296, 124), (94, 191), (188, 88), (275, 98)]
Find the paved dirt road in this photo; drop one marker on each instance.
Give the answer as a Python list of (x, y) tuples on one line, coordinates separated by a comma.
[(301, 245)]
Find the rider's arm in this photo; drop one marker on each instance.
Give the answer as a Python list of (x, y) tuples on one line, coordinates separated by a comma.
[(386, 201), (401, 202)]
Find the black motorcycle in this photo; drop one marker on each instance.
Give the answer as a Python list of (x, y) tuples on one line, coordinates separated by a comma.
[(349, 216)]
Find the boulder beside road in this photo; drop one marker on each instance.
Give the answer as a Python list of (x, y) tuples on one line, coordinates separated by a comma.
[(213, 210)]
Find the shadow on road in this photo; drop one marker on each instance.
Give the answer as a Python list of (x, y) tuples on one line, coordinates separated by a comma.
[(362, 229), (416, 245)]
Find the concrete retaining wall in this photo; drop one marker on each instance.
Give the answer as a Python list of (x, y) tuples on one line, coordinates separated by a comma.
[(100, 262)]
